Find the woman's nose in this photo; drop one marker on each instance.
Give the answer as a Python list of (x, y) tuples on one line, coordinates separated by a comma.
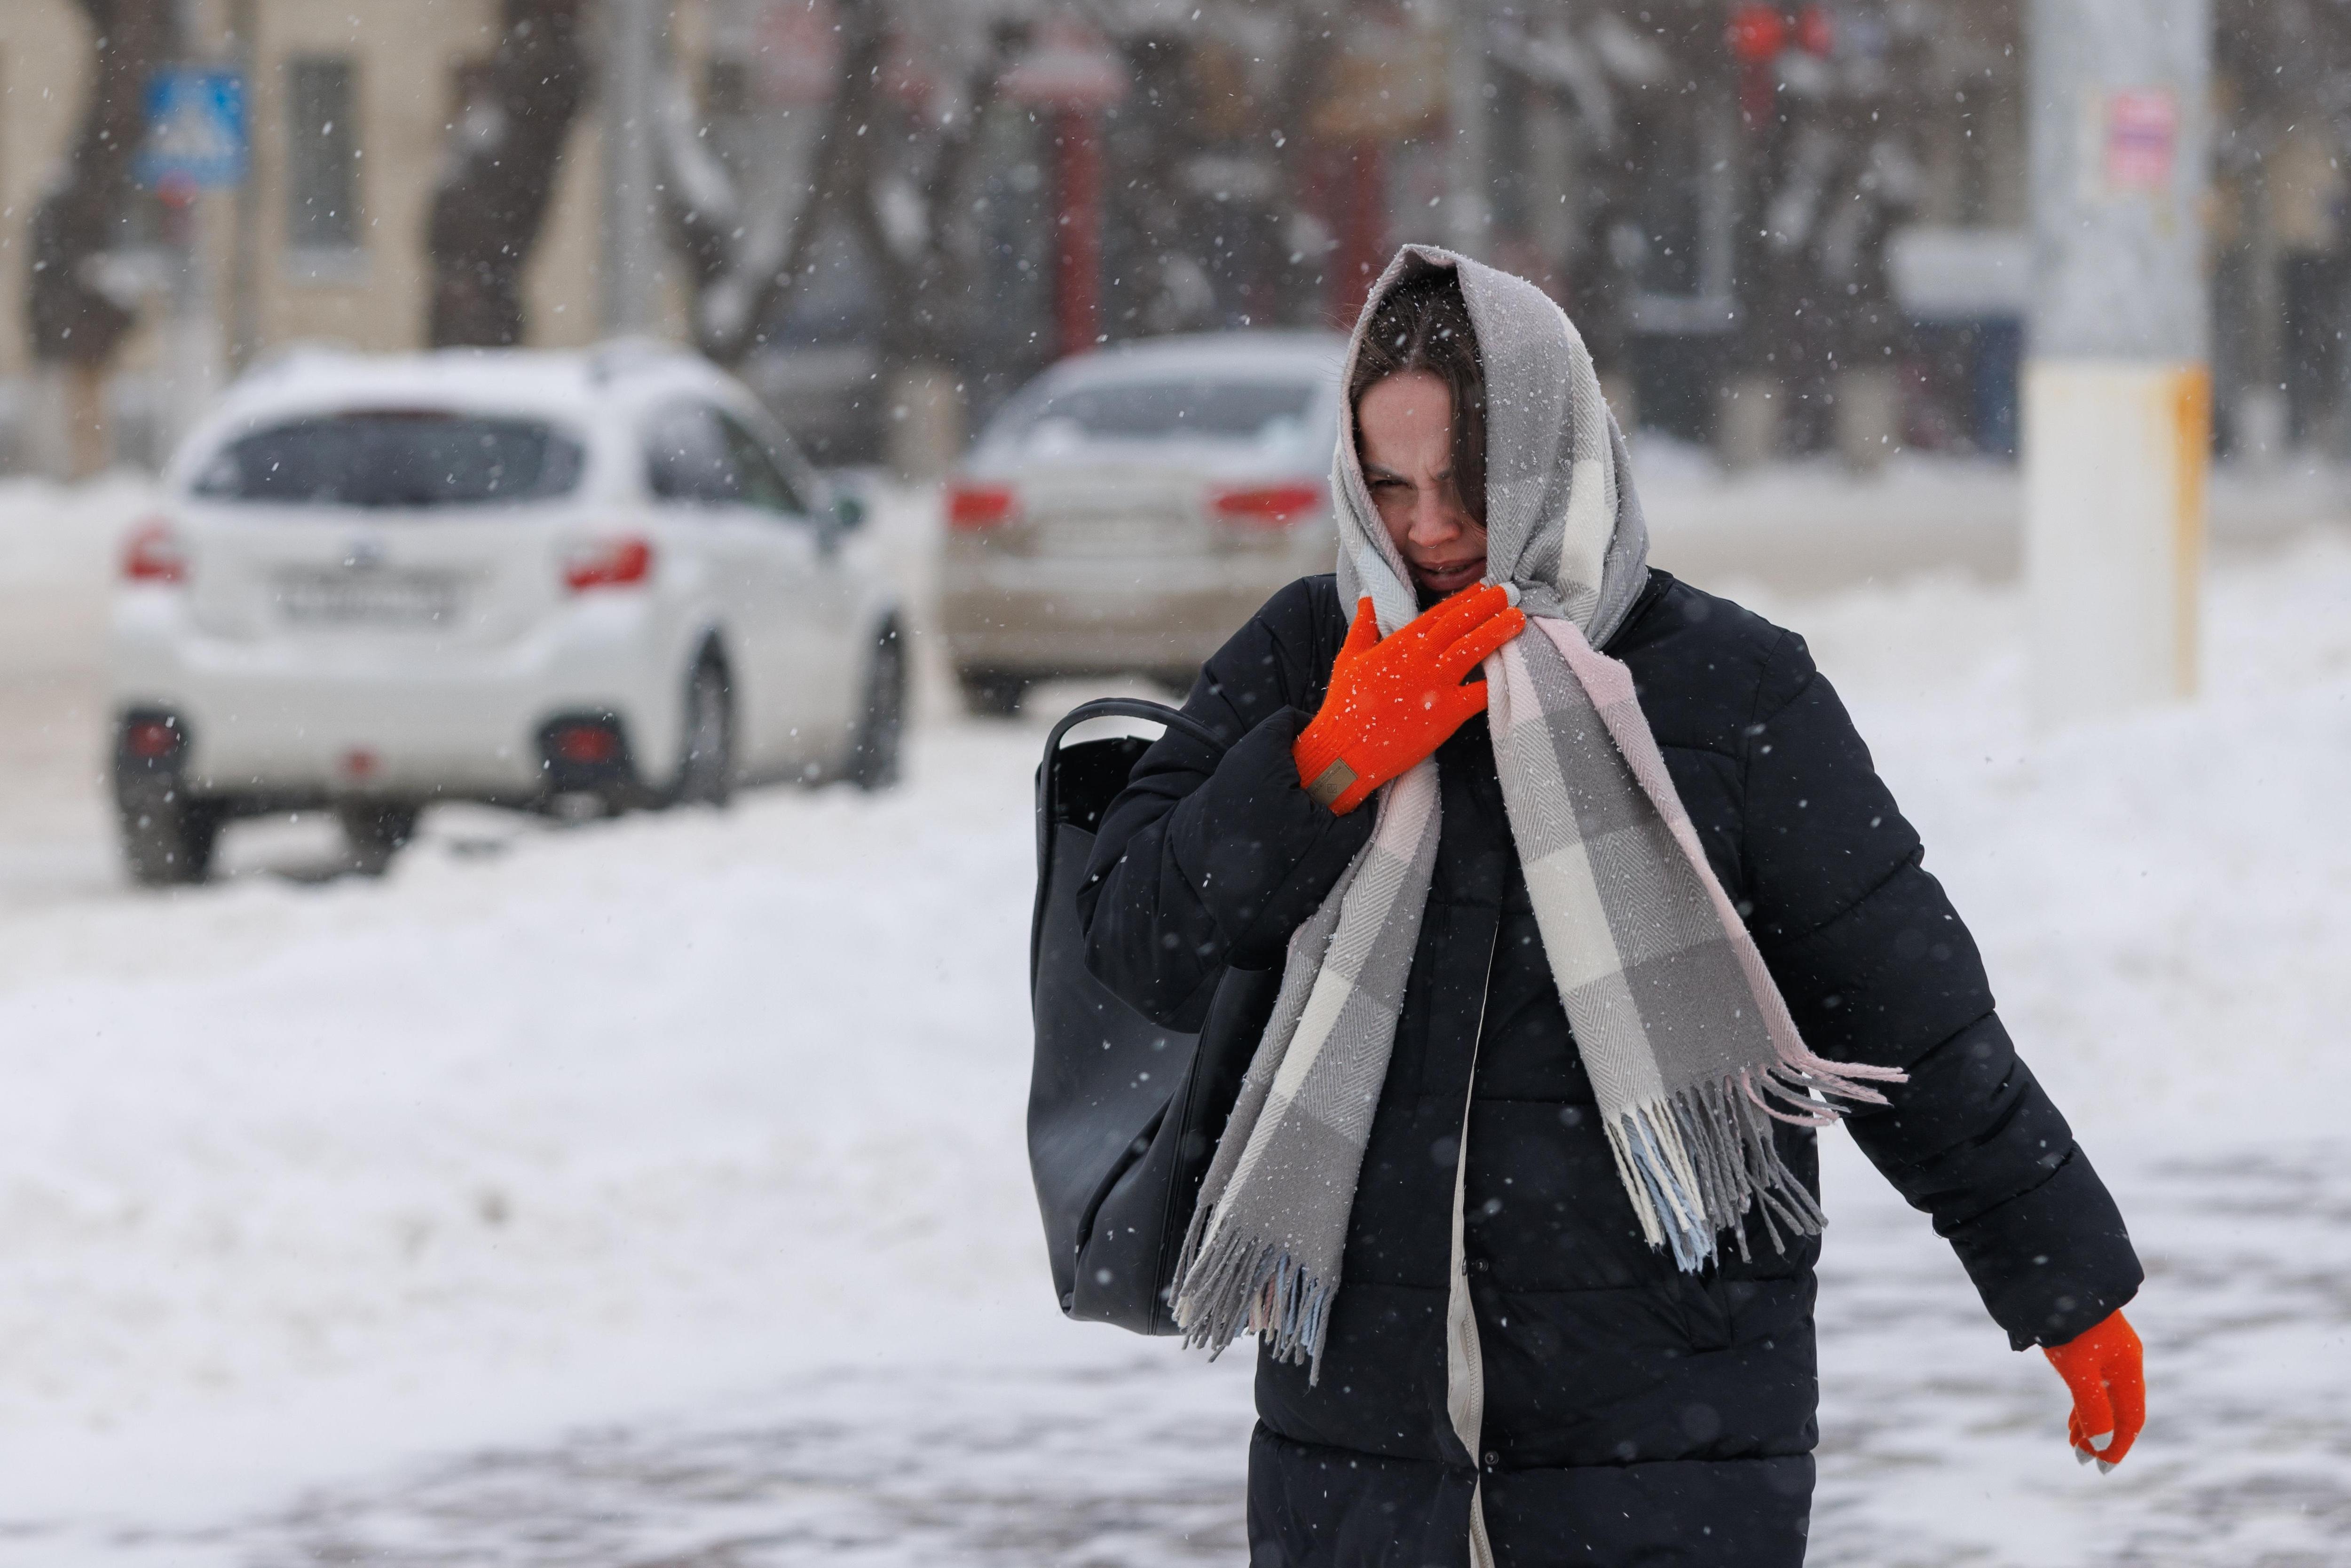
[(1432, 517)]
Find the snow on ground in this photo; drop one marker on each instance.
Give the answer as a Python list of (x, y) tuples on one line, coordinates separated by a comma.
[(56, 550), (652, 1190)]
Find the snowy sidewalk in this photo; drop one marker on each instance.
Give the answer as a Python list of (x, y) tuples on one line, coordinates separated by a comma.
[(1940, 1448), (1809, 526), (652, 1191)]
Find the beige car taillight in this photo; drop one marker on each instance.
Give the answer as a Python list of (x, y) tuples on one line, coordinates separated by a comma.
[(975, 509), (1268, 506)]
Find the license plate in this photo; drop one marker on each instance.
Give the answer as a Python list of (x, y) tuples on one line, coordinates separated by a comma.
[(1114, 536), (371, 598)]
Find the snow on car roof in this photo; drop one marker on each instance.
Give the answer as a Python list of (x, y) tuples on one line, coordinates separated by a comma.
[(552, 383), (549, 377), (1131, 402), (1248, 353)]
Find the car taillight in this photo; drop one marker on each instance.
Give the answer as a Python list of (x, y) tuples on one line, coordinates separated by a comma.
[(152, 554), (590, 744), (1268, 506), (971, 507), (151, 739), (608, 563)]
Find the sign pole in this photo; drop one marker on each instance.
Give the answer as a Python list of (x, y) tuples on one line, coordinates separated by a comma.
[(632, 259), (197, 141), (192, 332), (244, 267), (2117, 391)]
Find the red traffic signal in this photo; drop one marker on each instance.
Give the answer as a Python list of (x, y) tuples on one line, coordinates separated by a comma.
[(1816, 31), (1757, 33)]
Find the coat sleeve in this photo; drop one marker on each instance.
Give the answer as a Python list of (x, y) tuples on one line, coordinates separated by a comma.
[(1877, 967), (1204, 863)]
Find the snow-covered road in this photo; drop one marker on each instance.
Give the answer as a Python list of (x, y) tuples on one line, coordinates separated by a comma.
[(652, 1190), (1940, 1450)]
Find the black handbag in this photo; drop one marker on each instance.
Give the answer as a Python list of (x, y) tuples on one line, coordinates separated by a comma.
[(1123, 1114)]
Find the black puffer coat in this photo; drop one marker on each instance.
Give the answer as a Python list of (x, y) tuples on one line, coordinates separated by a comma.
[(1633, 1414)]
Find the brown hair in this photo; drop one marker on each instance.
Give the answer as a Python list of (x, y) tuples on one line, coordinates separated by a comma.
[(1423, 325)]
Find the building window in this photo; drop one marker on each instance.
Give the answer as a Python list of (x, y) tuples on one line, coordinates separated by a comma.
[(323, 154)]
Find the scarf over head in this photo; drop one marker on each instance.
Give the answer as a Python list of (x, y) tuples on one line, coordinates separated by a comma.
[(1689, 1048)]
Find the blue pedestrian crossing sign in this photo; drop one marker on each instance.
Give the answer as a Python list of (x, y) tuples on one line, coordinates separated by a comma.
[(195, 129)]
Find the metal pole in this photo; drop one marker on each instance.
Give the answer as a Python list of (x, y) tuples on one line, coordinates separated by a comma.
[(192, 363), (631, 250), (189, 333), (1077, 232), (1469, 206), (2118, 393), (244, 264), (1363, 184)]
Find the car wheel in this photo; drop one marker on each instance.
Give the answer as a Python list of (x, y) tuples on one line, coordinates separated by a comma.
[(374, 832), (881, 725), (706, 775), (992, 694), (168, 836)]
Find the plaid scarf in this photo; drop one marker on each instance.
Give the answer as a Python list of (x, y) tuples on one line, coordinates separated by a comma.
[(1688, 1045)]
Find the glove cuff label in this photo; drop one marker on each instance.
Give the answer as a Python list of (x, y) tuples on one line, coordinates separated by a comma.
[(1330, 784)]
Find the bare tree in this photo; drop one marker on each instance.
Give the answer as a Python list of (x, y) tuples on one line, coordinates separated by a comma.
[(1214, 163), (1603, 78), (905, 209), (744, 249), (889, 172), (74, 323), (887, 168), (2282, 77), (504, 151)]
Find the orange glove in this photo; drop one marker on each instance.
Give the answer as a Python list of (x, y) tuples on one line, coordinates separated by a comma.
[(1394, 701), (2102, 1368)]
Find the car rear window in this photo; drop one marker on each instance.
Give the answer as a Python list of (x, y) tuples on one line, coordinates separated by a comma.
[(395, 459), (1258, 412)]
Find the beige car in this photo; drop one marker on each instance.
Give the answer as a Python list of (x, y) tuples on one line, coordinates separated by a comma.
[(1128, 510)]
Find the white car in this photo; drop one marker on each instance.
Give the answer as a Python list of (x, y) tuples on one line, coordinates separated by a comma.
[(1128, 510), (509, 577)]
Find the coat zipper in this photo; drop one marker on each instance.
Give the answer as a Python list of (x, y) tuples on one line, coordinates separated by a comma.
[(1464, 1368)]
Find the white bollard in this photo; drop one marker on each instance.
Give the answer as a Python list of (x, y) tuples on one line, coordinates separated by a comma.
[(2114, 458), (2117, 401)]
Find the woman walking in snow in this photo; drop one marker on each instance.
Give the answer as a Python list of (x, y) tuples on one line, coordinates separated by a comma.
[(1628, 915)]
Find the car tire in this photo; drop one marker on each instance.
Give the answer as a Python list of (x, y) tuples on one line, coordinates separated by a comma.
[(168, 836), (873, 753), (992, 694), (705, 772), (374, 832)]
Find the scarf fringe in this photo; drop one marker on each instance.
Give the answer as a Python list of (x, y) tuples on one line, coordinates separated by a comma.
[(1698, 1162), (1243, 1285)]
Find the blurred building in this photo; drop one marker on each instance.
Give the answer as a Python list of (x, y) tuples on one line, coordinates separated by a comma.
[(350, 107), (1783, 227)]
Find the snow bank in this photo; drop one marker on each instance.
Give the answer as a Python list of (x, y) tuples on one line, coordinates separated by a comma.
[(2164, 902), (636, 1109), (59, 536)]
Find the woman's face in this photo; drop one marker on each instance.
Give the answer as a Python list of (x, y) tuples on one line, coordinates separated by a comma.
[(1405, 427)]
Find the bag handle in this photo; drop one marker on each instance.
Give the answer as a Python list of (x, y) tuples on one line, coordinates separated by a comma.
[(1048, 802), (1107, 707), (1134, 707)]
